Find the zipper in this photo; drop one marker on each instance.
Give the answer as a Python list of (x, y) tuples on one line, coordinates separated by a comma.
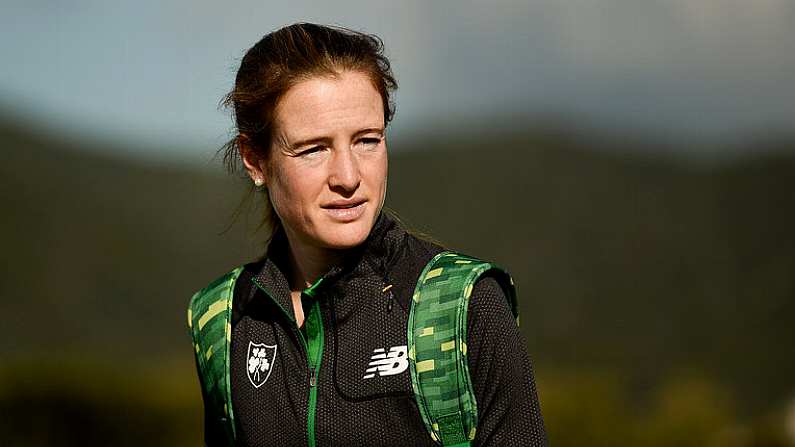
[(314, 350), (313, 347)]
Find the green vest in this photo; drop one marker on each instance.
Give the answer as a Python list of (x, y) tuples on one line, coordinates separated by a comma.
[(436, 333)]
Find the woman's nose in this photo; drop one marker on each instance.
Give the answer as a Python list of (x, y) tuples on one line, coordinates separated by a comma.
[(344, 171)]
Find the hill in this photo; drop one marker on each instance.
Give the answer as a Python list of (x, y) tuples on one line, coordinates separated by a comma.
[(642, 266)]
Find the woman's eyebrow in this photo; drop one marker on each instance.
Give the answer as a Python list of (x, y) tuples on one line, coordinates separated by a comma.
[(310, 141), (370, 129), (314, 140)]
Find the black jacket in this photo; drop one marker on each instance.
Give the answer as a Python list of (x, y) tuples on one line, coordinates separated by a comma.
[(359, 317)]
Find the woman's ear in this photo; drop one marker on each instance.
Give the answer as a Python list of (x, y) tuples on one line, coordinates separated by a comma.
[(253, 162)]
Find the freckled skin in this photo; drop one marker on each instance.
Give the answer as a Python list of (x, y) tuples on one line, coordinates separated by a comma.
[(347, 163)]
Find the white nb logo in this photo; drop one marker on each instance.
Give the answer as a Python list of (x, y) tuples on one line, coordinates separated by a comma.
[(387, 363)]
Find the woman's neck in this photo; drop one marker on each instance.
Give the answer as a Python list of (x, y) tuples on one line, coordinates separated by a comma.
[(308, 263)]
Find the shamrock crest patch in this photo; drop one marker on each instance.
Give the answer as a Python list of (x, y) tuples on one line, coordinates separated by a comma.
[(261, 360)]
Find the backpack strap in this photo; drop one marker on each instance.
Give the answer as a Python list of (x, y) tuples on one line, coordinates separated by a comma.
[(437, 344), (209, 322)]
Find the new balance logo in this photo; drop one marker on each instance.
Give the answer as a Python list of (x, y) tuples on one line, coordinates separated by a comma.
[(387, 363)]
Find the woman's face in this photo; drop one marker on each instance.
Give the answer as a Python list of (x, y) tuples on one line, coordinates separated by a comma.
[(326, 172)]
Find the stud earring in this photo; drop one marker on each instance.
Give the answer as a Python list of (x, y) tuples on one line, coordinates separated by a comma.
[(258, 181)]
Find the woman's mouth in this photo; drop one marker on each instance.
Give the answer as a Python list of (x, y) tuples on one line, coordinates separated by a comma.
[(345, 210)]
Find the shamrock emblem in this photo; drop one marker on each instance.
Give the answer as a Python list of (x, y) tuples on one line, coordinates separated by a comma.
[(260, 361)]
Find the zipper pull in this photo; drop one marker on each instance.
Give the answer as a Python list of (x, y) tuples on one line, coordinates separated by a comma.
[(312, 377), (389, 298)]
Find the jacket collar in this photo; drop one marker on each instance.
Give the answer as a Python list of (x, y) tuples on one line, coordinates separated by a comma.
[(374, 256)]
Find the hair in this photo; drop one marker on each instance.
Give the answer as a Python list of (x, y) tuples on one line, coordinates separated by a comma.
[(282, 59)]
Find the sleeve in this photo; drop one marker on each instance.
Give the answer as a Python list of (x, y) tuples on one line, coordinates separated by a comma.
[(509, 413)]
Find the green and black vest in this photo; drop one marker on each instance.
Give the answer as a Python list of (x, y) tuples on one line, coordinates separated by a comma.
[(436, 335)]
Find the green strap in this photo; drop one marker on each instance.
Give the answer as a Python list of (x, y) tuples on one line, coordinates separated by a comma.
[(437, 344), (209, 322)]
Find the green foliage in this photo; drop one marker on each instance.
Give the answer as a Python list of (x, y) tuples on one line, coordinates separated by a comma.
[(596, 408), (79, 400), (582, 408)]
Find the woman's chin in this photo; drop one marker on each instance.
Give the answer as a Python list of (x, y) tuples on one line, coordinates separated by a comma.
[(345, 236)]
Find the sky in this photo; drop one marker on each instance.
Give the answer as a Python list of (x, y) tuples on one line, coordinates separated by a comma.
[(150, 74)]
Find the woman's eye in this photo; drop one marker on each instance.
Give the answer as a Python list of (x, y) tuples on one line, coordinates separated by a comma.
[(310, 151), (370, 142)]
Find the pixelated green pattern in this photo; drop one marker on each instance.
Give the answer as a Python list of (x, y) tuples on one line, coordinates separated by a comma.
[(437, 344), (209, 320)]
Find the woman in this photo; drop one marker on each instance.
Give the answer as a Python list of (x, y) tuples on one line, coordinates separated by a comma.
[(315, 344)]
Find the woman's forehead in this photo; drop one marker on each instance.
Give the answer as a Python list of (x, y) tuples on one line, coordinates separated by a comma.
[(325, 106)]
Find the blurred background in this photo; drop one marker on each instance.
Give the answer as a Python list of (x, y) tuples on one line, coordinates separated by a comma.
[(632, 163)]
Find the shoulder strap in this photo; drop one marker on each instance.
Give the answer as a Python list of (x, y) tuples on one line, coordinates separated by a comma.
[(209, 322), (437, 344)]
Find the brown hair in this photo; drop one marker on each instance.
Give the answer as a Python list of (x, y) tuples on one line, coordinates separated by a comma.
[(281, 60)]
